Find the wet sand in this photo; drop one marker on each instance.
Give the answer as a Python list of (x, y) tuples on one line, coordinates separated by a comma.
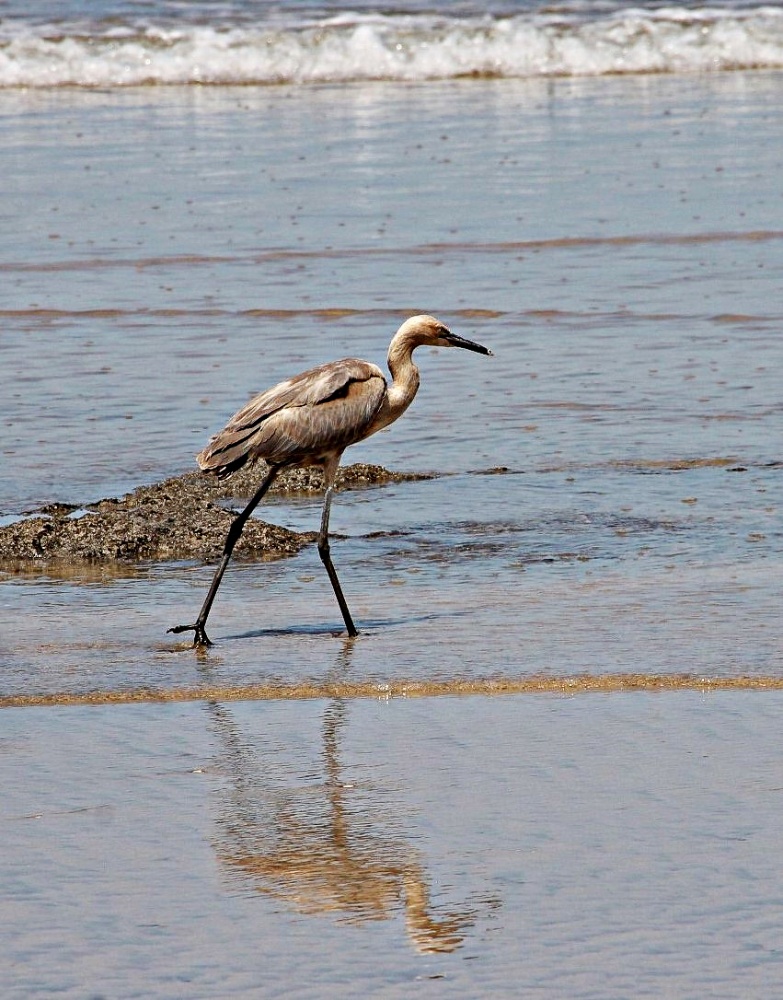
[(343, 690), (549, 763), (602, 845)]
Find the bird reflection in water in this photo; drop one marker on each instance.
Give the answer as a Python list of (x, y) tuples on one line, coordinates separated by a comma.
[(324, 847)]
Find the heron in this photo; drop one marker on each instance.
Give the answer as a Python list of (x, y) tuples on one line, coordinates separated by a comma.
[(309, 420)]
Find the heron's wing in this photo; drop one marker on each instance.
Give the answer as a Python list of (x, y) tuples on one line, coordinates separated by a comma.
[(320, 411)]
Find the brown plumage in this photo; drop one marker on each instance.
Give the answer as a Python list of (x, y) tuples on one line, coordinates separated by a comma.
[(311, 419), (300, 420)]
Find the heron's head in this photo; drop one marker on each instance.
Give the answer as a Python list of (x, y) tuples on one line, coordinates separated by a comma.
[(428, 330)]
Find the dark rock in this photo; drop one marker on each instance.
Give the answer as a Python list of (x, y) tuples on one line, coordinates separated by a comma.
[(180, 518)]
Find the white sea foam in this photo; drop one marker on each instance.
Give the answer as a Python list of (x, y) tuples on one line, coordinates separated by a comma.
[(345, 48)]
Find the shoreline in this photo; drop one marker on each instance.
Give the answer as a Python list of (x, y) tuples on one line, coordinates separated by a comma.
[(361, 690)]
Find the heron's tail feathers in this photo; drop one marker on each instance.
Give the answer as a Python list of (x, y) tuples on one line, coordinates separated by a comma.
[(221, 464)]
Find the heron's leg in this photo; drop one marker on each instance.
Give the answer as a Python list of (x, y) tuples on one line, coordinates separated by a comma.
[(326, 559), (199, 626)]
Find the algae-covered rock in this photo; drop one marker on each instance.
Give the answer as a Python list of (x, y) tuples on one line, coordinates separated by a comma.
[(184, 517)]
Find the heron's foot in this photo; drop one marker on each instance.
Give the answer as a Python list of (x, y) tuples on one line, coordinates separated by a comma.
[(199, 639)]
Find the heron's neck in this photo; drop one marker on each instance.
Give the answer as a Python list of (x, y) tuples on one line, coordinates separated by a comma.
[(405, 376), (405, 382)]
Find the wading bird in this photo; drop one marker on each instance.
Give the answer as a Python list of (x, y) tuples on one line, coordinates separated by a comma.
[(311, 419)]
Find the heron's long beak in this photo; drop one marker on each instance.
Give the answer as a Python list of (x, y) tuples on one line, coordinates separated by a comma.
[(468, 345)]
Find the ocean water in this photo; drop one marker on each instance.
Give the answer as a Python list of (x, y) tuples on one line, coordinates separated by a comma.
[(127, 43), (200, 199)]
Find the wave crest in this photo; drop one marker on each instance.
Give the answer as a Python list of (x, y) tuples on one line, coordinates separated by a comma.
[(409, 48)]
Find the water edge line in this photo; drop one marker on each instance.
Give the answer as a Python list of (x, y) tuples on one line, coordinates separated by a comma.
[(311, 690)]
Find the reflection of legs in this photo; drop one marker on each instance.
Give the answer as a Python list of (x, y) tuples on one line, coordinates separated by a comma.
[(326, 559), (199, 626)]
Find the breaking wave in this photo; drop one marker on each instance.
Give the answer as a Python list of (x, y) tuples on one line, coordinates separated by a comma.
[(392, 47)]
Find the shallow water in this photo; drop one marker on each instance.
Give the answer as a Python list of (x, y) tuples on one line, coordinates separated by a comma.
[(586, 578), (195, 242), (590, 847), (608, 503), (629, 293)]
